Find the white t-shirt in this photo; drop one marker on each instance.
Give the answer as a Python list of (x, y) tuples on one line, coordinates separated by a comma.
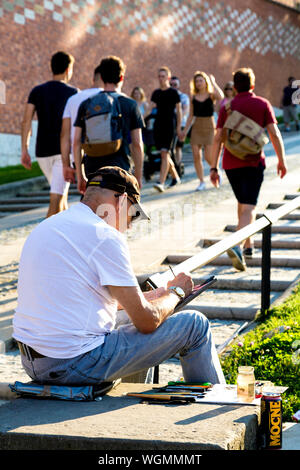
[(64, 308), (72, 106)]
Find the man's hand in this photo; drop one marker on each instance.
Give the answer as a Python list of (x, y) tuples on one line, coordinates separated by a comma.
[(281, 169), (69, 174), (26, 160), (184, 281), (215, 178), (81, 184), (181, 136)]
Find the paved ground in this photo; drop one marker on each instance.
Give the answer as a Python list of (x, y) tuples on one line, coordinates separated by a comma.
[(150, 244)]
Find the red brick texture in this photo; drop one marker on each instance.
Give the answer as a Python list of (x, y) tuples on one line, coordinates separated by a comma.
[(186, 35)]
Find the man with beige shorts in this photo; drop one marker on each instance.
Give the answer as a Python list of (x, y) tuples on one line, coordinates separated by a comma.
[(48, 102)]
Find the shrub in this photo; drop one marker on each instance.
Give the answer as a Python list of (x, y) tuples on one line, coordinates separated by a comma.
[(273, 349)]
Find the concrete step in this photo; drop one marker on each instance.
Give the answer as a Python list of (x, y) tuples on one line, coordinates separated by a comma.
[(282, 243), (25, 200), (276, 205), (229, 303), (225, 260), (123, 423), (5, 214), (253, 272), (19, 207), (292, 216), (71, 192), (289, 197), (228, 312), (242, 284), (275, 228)]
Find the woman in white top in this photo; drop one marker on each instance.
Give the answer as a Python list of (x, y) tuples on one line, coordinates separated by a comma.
[(229, 94), (138, 95)]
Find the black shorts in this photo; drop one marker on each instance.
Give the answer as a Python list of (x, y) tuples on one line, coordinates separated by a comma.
[(163, 137), (246, 183)]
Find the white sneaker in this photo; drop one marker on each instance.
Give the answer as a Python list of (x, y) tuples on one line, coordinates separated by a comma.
[(159, 187), (201, 186)]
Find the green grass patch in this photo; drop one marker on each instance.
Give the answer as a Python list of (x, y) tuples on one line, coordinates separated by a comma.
[(9, 174), (273, 349)]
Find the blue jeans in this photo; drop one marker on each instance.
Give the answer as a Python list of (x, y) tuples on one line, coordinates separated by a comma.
[(127, 351)]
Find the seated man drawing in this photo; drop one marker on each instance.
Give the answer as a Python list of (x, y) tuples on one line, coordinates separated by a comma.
[(75, 271)]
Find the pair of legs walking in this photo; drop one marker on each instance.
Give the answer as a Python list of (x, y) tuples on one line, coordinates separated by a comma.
[(167, 165), (127, 351), (53, 170), (198, 161), (246, 183)]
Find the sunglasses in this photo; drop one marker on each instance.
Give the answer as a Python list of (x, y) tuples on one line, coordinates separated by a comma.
[(226, 89), (134, 217)]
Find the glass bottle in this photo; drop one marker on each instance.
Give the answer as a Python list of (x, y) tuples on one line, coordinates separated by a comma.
[(246, 383)]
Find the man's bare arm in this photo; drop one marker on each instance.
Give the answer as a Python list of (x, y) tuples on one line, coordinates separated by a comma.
[(77, 152), (277, 142), (215, 157), (137, 149), (26, 133), (178, 118), (148, 315), (65, 148)]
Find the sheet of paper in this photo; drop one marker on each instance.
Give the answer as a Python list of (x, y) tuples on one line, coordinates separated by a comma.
[(225, 394)]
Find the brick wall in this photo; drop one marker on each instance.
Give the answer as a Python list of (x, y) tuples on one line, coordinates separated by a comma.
[(187, 35)]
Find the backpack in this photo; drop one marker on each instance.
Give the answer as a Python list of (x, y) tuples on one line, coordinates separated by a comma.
[(103, 124), (243, 137)]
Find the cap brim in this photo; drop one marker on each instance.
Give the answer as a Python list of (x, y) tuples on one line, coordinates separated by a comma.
[(137, 207)]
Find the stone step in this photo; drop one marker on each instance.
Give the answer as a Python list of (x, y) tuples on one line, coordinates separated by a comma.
[(275, 228), (275, 205), (25, 200), (129, 426), (242, 284), (225, 312), (19, 207), (226, 303), (289, 197), (5, 214), (71, 192), (282, 243), (225, 260), (252, 272), (292, 216)]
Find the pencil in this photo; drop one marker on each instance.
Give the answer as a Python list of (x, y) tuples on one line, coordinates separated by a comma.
[(172, 271)]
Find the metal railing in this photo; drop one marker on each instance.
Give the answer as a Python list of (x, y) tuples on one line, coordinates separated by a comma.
[(264, 224)]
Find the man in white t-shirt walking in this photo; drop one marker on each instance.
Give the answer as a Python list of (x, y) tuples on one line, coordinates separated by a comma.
[(75, 271), (67, 130)]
